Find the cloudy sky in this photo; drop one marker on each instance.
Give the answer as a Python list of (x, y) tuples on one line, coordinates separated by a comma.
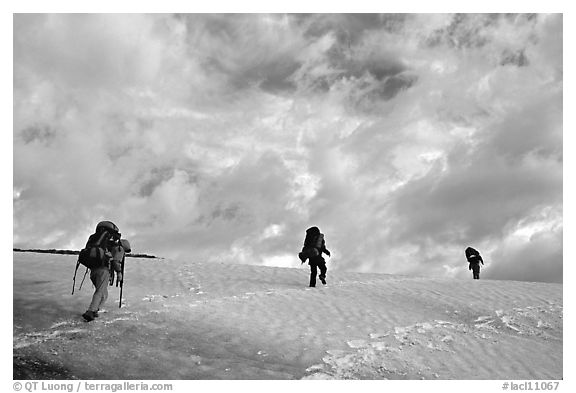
[(405, 138)]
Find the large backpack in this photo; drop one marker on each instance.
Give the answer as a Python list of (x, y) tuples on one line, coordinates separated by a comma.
[(472, 255), (318, 242), (96, 253), (313, 246)]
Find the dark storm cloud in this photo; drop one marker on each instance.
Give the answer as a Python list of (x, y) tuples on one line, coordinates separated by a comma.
[(246, 50), (153, 178), (350, 28), (517, 58), (256, 51), (475, 30), (38, 133)]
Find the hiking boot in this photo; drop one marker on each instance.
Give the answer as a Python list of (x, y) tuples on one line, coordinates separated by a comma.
[(95, 313), (323, 279), (88, 316)]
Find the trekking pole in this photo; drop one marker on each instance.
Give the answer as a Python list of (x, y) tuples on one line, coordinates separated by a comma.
[(121, 283), (120, 300), (85, 272), (74, 278)]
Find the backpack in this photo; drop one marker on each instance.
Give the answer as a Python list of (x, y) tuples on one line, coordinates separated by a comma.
[(126, 245), (96, 253), (313, 247), (472, 255)]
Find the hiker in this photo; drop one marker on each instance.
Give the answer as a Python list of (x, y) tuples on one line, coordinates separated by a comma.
[(474, 259), (117, 261), (117, 265), (314, 246), (104, 241)]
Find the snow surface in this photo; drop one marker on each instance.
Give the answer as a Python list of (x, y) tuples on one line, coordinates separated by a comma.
[(188, 320)]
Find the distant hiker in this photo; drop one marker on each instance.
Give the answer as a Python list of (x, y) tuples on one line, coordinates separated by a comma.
[(117, 265), (314, 246), (101, 255), (474, 259)]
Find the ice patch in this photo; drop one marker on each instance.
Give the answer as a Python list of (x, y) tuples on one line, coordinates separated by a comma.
[(357, 343), (118, 319), (379, 345), (426, 326), (336, 352), (316, 367), (347, 361), (60, 324), (377, 358), (485, 325), (507, 320), (431, 346), (39, 337), (378, 335), (151, 298), (319, 376)]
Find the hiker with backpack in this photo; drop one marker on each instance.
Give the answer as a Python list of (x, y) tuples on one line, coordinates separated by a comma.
[(117, 265), (474, 259), (101, 256), (314, 246)]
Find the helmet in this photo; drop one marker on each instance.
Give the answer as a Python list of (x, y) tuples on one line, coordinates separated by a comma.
[(125, 245), (106, 225)]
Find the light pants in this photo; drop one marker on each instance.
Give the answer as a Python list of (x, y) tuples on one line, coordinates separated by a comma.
[(99, 277)]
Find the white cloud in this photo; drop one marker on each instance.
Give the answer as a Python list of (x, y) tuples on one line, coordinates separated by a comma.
[(281, 261), (273, 230)]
